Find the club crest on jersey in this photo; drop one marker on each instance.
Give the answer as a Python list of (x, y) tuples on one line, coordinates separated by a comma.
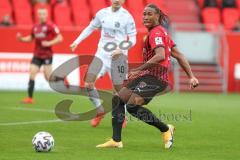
[(158, 40), (117, 24)]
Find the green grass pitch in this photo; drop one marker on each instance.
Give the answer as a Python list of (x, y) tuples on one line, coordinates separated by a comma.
[(207, 128)]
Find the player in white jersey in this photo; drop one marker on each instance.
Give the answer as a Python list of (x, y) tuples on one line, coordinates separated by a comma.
[(118, 35)]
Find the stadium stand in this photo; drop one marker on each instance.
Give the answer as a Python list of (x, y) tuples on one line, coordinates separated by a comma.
[(22, 12), (77, 12), (136, 10), (62, 19), (229, 23), (80, 11), (212, 18), (184, 11), (5, 9), (96, 6)]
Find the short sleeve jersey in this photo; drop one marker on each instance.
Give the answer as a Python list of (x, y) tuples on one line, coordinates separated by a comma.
[(44, 32), (115, 26), (158, 37)]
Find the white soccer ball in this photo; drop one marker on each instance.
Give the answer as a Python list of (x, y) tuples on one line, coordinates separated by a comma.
[(43, 142)]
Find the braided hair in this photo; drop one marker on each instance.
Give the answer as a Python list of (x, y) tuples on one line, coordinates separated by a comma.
[(163, 18)]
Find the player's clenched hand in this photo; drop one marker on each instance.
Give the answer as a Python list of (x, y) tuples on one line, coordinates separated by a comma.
[(73, 47), (19, 36), (116, 54), (193, 82), (46, 44), (133, 74)]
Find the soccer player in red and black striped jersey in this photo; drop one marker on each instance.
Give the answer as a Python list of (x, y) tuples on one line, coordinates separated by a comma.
[(45, 35), (148, 80)]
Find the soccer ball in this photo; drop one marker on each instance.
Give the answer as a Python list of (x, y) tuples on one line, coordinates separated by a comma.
[(43, 142)]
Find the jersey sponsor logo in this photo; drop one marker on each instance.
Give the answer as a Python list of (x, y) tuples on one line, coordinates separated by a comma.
[(109, 33), (158, 40), (39, 35)]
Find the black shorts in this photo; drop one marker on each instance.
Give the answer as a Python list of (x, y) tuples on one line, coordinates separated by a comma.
[(147, 86), (39, 62)]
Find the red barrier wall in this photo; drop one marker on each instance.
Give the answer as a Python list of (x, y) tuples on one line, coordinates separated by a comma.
[(234, 57), (8, 43)]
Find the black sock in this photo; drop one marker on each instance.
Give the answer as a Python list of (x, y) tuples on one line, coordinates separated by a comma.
[(118, 115), (147, 116), (30, 88)]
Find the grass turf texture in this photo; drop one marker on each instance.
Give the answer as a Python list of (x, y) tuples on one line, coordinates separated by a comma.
[(211, 131)]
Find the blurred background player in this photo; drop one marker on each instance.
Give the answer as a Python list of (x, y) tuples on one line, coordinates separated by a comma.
[(117, 25), (46, 35), (6, 21), (148, 80)]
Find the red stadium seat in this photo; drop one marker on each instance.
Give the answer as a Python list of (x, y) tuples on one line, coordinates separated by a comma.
[(200, 3), (230, 17), (62, 14), (5, 9), (238, 4), (42, 5), (81, 18), (136, 10), (52, 2), (95, 7), (219, 3), (79, 6), (23, 12), (81, 12), (212, 18), (132, 6)]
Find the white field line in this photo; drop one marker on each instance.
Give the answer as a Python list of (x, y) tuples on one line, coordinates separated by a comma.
[(29, 122), (28, 109), (32, 122)]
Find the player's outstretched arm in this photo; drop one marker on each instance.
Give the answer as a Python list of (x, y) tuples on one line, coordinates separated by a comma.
[(94, 24), (21, 38), (85, 33), (183, 62)]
